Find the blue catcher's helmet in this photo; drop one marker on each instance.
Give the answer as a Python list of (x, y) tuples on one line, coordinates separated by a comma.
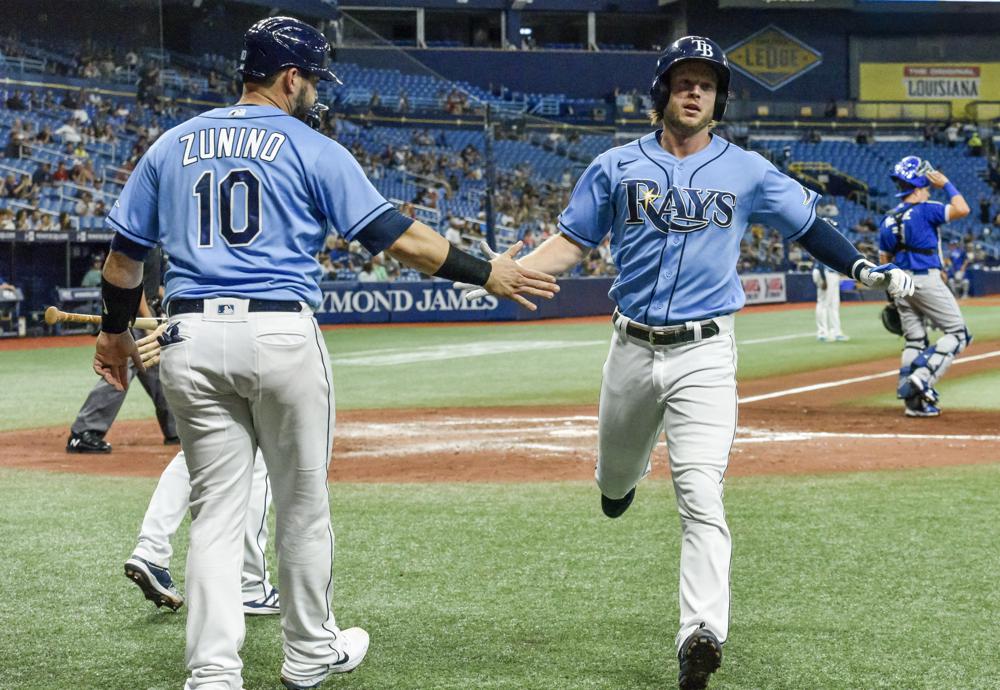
[(911, 173), (694, 48), (276, 43)]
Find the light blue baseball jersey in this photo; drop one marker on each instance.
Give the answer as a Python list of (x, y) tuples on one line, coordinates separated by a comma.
[(676, 224), (917, 225), (241, 199)]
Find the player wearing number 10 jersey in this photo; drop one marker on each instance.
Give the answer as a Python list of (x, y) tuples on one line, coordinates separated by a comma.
[(219, 167), (242, 198)]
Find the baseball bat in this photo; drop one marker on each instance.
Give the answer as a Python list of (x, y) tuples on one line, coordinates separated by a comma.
[(54, 315)]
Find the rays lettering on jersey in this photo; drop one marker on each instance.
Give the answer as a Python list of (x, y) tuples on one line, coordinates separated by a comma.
[(678, 209), (231, 142)]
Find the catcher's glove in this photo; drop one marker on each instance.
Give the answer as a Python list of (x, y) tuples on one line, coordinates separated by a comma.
[(891, 321)]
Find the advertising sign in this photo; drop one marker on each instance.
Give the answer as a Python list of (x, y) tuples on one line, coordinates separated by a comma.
[(773, 58)]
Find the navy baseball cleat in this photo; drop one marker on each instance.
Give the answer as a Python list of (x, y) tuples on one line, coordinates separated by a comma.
[(699, 658), (614, 507), (352, 653), (264, 605), (155, 582), (87, 442)]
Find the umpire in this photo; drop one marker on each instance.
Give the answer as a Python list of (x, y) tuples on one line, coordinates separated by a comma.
[(104, 401)]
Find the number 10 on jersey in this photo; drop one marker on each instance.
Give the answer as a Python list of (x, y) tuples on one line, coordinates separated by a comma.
[(204, 190)]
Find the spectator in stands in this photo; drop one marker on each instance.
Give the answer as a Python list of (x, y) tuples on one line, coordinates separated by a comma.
[(786, 157), (828, 208), (984, 210), (92, 278), (61, 174), (148, 88), (84, 205), (366, 275), (42, 175), (16, 101), (16, 140), (66, 222), (7, 219), (830, 111), (975, 144), (381, 275), (930, 131), (403, 104), (45, 222), (68, 133), (25, 189), (7, 186), (863, 137), (44, 136), (80, 113), (866, 225), (453, 232), (374, 102), (23, 220), (83, 173), (100, 209), (951, 134)]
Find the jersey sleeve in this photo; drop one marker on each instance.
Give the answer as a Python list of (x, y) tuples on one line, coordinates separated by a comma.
[(343, 192), (587, 218), (136, 213), (782, 203), (936, 213), (886, 237)]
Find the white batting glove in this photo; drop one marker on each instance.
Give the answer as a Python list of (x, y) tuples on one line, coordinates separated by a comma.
[(473, 292), (149, 347), (897, 282)]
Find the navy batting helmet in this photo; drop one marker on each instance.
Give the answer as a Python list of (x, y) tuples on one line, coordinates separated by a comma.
[(276, 43), (694, 48), (911, 173)]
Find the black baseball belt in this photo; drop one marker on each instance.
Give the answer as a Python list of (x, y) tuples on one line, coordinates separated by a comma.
[(668, 335), (196, 306)]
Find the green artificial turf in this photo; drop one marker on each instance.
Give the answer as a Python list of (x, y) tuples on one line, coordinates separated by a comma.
[(876, 580), (549, 362)]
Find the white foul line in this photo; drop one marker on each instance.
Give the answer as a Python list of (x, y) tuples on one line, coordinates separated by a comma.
[(856, 379), (793, 336)]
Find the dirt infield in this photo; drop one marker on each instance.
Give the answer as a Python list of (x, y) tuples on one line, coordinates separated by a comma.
[(813, 431)]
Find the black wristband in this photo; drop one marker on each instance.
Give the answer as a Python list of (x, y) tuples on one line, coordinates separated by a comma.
[(464, 268), (119, 306)]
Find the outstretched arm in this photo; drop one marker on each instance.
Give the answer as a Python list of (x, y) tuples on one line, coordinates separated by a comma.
[(422, 248), (831, 248), (555, 255)]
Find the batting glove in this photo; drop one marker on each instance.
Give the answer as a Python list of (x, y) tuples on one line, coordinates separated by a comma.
[(897, 282), (474, 292)]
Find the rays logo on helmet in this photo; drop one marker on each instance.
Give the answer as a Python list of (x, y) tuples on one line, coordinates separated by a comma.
[(703, 47)]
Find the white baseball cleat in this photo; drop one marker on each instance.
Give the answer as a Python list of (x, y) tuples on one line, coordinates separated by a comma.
[(353, 647)]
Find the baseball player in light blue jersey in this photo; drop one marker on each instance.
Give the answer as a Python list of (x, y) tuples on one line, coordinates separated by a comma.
[(909, 237), (676, 203), (242, 198)]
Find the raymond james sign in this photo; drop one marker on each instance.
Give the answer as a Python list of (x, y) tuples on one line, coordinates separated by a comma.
[(426, 300), (365, 300)]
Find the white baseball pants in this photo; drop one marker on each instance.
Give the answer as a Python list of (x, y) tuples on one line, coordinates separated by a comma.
[(827, 305), (237, 380), (169, 504), (688, 391)]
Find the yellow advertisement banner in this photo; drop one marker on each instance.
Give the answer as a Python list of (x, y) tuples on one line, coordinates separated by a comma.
[(958, 82)]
